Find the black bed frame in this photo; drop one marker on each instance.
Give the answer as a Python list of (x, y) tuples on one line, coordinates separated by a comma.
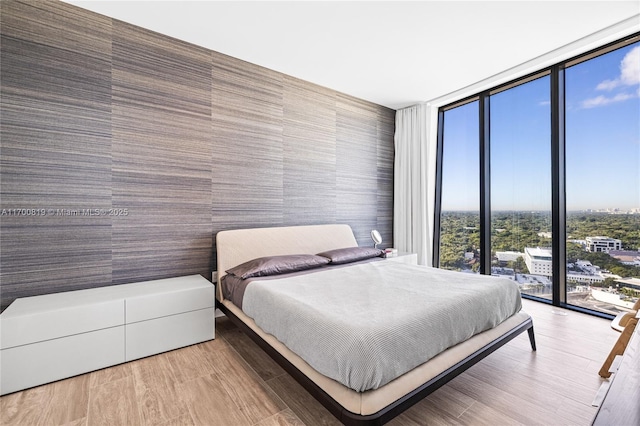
[(395, 408)]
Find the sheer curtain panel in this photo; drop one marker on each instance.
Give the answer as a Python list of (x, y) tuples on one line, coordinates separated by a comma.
[(414, 180)]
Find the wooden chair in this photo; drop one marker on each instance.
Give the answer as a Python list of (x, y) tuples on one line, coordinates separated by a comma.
[(625, 323)]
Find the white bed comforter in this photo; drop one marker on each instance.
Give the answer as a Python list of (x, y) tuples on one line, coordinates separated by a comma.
[(366, 324)]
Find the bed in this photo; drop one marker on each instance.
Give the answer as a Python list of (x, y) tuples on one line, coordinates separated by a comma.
[(353, 397)]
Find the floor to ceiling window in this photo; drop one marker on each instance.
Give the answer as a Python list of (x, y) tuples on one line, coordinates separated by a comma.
[(603, 180), (550, 183), (521, 185), (460, 218)]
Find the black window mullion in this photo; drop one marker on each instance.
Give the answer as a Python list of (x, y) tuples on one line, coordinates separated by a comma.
[(558, 193), (485, 184), (438, 201)]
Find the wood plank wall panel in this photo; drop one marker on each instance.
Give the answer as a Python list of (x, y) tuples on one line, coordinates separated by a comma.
[(162, 147), (247, 115), (356, 166), (386, 155), (309, 137), (55, 148), (99, 114)]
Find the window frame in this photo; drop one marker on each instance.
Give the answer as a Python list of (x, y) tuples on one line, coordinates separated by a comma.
[(558, 172)]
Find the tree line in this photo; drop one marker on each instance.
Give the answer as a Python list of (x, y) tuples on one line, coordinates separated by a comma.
[(513, 231)]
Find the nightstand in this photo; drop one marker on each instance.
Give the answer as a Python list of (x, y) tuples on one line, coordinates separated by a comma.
[(405, 257)]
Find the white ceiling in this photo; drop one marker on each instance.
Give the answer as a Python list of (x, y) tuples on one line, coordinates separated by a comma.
[(392, 53)]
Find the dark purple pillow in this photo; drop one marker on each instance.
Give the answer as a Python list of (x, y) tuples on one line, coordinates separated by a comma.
[(275, 265), (351, 254)]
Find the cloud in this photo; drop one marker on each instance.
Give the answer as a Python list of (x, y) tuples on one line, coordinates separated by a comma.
[(608, 85), (630, 67), (544, 103), (629, 72), (604, 100), (629, 76)]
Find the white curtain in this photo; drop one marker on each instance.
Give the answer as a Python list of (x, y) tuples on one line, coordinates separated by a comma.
[(414, 180)]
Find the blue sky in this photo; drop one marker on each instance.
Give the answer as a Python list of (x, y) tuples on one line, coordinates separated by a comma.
[(602, 137), (603, 131), (460, 186)]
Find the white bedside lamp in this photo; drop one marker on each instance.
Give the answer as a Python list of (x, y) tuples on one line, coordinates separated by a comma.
[(376, 237)]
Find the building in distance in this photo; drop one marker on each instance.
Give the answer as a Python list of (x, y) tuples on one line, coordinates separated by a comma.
[(602, 244), (538, 260), (626, 257), (633, 283), (508, 256)]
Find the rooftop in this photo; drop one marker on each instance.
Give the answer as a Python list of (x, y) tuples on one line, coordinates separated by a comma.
[(601, 238), (631, 253), (539, 253), (631, 281)]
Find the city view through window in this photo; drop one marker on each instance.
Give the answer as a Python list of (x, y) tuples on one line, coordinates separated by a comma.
[(602, 174)]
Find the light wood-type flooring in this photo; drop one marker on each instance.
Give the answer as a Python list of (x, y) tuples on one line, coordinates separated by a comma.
[(230, 381)]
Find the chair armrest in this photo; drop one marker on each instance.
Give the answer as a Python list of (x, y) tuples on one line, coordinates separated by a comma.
[(621, 320)]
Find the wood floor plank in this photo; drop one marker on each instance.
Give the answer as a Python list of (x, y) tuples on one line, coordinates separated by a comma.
[(283, 418), (256, 400), (25, 407), (480, 414), (69, 402), (449, 400), (576, 413), (211, 346), (155, 390), (184, 420), (259, 361), (443, 407), (224, 326), (78, 422), (593, 368), (209, 403), (310, 411), (548, 391), (514, 407), (433, 417), (189, 363), (111, 374), (114, 403), (426, 413), (548, 379)]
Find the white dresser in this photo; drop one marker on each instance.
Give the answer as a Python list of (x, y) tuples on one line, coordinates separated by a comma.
[(55, 336)]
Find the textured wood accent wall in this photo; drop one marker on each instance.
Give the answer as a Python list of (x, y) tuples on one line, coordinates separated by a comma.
[(55, 148), (161, 147), (384, 164), (309, 141), (163, 144), (247, 174)]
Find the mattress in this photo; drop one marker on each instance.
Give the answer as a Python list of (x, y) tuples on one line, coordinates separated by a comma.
[(365, 325)]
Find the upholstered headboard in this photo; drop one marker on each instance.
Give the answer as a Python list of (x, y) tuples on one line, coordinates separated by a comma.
[(238, 246)]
